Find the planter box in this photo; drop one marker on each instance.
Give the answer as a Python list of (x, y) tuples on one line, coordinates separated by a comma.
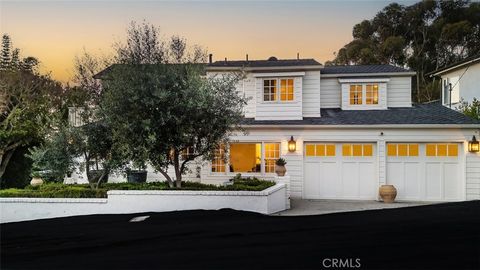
[(268, 201)]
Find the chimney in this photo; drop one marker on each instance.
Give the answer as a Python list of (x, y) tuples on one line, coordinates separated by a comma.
[(225, 59), (298, 56), (246, 57), (210, 56)]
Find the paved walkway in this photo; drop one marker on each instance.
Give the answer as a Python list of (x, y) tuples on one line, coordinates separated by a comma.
[(317, 207)]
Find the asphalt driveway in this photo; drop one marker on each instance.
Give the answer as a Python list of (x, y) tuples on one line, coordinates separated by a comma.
[(441, 236)]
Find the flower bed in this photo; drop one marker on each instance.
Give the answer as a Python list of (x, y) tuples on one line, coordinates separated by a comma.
[(56, 190)]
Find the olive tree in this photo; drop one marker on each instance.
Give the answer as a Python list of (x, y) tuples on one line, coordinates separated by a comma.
[(159, 103)]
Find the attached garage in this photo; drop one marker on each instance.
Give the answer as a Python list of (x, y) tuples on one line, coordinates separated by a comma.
[(340, 171), (425, 171)]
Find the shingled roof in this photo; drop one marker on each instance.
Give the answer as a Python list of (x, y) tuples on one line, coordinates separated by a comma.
[(353, 69), (423, 114), (271, 62)]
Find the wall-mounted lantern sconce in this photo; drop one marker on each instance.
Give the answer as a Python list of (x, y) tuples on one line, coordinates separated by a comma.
[(473, 145), (292, 145)]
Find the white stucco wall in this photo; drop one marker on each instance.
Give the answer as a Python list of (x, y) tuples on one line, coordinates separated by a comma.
[(271, 200)]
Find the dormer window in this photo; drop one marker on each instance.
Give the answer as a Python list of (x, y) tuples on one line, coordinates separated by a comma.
[(270, 87), (364, 94)]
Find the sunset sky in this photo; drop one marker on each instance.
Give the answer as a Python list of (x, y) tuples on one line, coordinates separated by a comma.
[(56, 31)]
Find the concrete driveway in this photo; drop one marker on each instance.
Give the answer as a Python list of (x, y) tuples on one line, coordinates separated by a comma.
[(317, 207)]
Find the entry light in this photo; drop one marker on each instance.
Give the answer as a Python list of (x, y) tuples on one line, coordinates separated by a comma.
[(292, 145), (473, 145)]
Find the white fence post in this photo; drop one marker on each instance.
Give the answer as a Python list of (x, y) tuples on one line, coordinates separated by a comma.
[(285, 180)]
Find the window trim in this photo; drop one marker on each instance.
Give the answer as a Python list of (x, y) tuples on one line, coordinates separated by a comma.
[(363, 94), (278, 92)]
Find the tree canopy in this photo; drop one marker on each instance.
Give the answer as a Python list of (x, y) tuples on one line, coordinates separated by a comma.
[(423, 37)]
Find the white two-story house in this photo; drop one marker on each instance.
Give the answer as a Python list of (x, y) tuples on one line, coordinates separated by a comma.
[(354, 128), (351, 129)]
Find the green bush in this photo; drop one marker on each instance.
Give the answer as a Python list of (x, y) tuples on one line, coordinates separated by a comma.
[(58, 190)]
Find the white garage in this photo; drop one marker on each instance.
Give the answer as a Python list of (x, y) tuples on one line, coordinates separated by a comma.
[(340, 171), (425, 171)]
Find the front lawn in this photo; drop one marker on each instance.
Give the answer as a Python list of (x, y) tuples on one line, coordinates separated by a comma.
[(57, 190)]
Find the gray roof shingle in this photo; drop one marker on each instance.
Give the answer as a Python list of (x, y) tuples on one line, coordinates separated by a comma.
[(352, 69), (266, 63), (432, 113)]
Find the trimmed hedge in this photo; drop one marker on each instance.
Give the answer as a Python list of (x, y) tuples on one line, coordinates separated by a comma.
[(57, 190)]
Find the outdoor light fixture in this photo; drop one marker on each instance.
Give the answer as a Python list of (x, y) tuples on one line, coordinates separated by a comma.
[(292, 145), (473, 145)]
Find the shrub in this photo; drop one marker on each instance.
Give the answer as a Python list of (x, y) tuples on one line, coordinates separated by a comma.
[(57, 190), (280, 162)]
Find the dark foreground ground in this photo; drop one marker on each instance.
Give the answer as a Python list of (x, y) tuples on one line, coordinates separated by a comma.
[(444, 236)]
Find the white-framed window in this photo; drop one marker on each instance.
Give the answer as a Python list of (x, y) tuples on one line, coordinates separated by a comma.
[(269, 90), (247, 157), (364, 94), (371, 94), (272, 91)]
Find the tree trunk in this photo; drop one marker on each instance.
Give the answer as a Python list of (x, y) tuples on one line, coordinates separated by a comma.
[(4, 160), (167, 177), (178, 172)]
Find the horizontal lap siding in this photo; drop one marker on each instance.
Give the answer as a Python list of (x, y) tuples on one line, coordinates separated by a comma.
[(399, 92), (330, 93), (291, 110), (249, 90), (473, 176), (311, 94)]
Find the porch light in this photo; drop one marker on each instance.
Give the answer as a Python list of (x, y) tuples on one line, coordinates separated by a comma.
[(292, 145), (473, 145)]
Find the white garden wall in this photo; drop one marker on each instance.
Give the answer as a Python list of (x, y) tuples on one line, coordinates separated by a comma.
[(267, 201)]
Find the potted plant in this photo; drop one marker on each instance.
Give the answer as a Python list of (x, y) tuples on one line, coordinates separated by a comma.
[(36, 178), (388, 193), (280, 167)]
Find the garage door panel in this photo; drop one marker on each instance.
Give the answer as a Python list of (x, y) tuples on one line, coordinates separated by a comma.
[(396, 177), (366, 183), (412, 186), (311, 188), (329, 184), (433, 180), (350, 179), (451, 172)]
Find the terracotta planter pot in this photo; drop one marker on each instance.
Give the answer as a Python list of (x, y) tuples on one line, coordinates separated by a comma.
[(388, 193), (36, 181), (280, 170)]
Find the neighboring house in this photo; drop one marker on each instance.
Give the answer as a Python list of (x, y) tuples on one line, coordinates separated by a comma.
[(354, 128), (460, 81)]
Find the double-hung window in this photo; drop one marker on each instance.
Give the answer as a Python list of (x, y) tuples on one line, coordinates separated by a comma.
[(271, 93), (371, 94)]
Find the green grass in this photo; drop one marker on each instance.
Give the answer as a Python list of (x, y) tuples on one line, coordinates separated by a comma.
[(56, 190)]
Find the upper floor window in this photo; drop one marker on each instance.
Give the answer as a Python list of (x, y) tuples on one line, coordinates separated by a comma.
[(286, 89), (371, 94), (358, 96), (271, 93), (355, 94), (269, 90)]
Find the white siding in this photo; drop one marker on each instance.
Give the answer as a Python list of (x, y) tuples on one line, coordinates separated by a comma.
[(311, 94), (330, 94), (467, 88), (277, 110), (473, 176), (399, 92), (295, 160), (248, 85)]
